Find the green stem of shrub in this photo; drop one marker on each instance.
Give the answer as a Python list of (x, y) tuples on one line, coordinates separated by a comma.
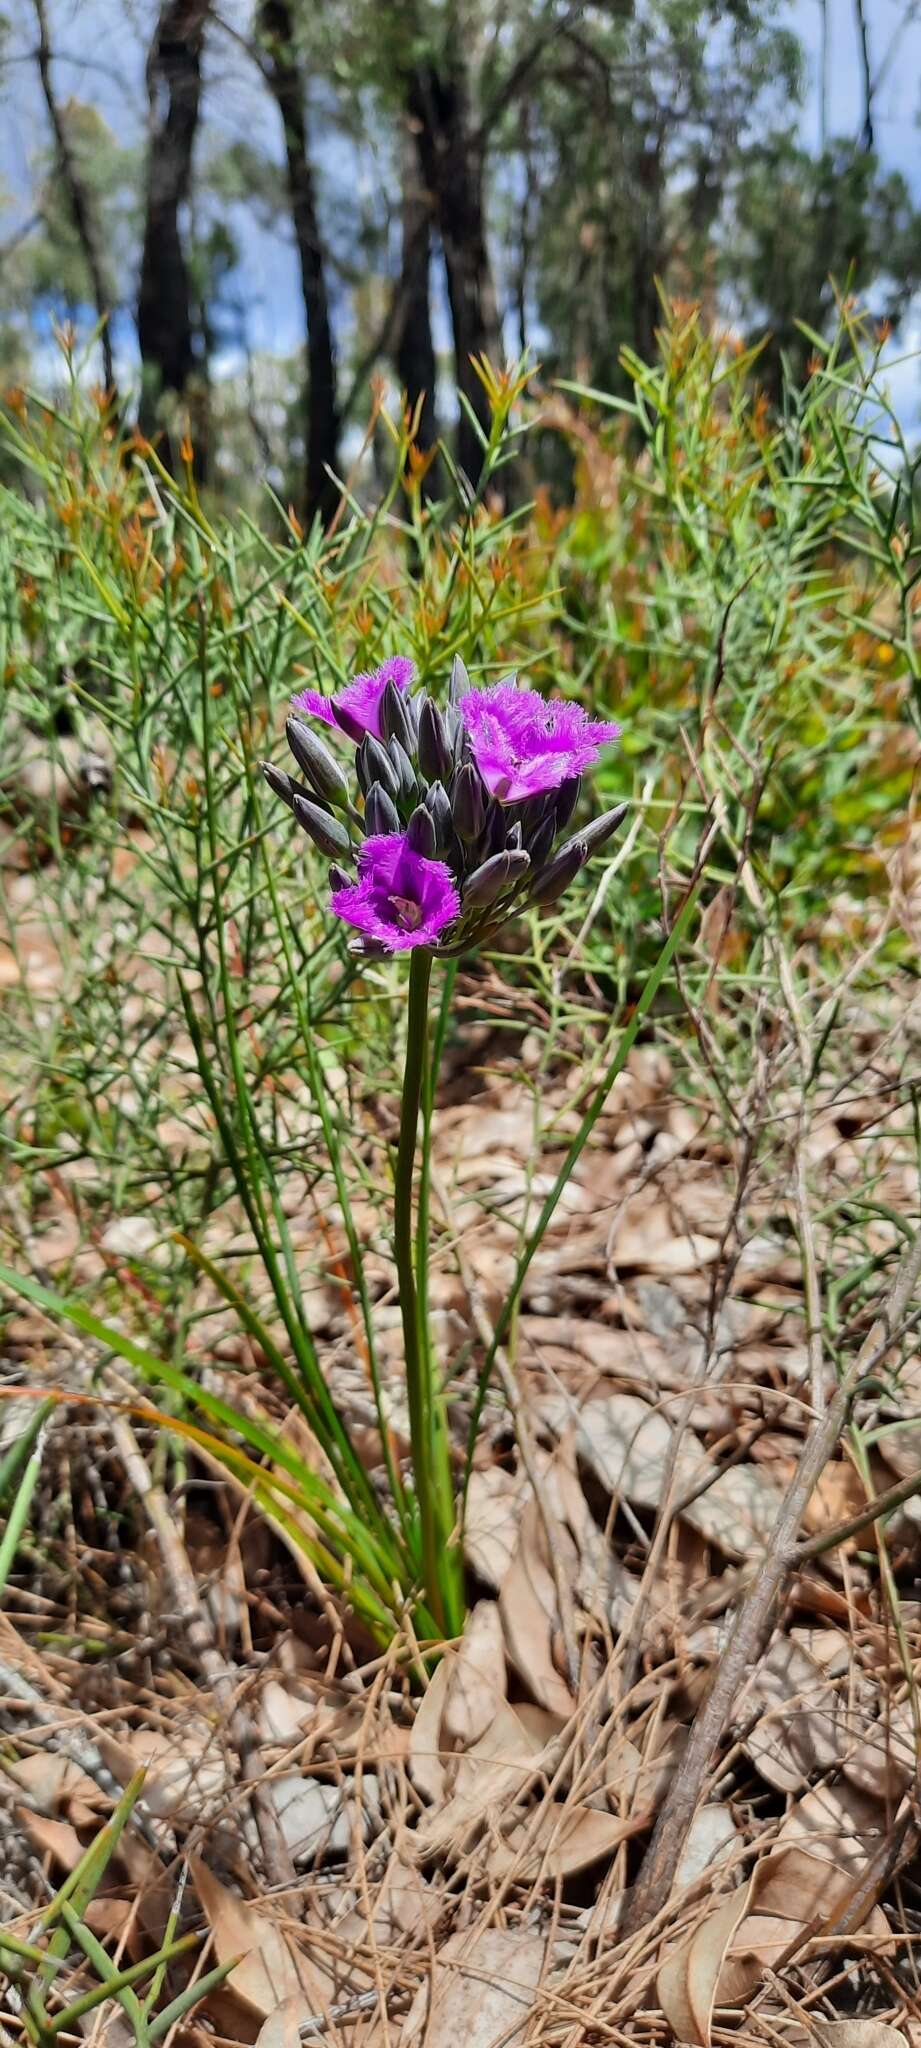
[(441, 1568)]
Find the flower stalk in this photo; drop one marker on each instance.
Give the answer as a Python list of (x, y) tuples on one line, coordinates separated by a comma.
[(439, 1554)]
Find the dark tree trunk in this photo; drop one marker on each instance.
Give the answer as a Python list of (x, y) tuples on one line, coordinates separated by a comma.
[(77, 197), (166, 330), (321, 415), (452, 160), (649, 254), (414, 351)]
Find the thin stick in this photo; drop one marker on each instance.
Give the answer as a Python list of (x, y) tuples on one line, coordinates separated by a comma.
[(754, 1615), (196, 1622)]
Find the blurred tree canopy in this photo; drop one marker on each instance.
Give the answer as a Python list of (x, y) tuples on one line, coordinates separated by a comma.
[(455, 177)]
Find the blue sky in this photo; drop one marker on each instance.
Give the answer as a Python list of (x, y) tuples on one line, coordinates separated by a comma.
[(100, 45)]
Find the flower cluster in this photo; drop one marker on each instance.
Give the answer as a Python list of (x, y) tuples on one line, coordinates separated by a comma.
[(456, 818)]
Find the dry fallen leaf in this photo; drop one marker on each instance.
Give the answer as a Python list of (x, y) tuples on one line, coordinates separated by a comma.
[(426, 1763), (491, 1523), (269, 1972), (476, 1684), (687, 1981), (481, 1993), (489, 1774), (627, 1445), (282, 2029), (800, 1728), (527, 1604), (565, 1839)]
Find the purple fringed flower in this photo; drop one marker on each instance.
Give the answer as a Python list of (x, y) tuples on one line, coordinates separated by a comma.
[(524, 744), (356, 709), (401, 899)]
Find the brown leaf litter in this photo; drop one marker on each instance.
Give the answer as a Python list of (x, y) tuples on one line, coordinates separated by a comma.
[(458, 1857)]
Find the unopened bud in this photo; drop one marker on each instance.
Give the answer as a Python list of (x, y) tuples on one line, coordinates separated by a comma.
[(281, 784), (394, 719), (559, 872), (602, 829), (373, 764), (468, 803), (436, 801), (325, 830), (495, 875), (566, 799), (421, 835), (381, 814), (435, 755), (407, 787), (314, 760)]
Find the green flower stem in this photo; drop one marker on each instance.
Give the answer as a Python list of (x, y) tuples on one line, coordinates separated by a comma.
[(430, 1451)]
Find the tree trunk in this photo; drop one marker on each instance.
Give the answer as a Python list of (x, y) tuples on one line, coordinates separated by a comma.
[(321, 415), (414, 352), (77, 196), (166, 332), (453, 163)]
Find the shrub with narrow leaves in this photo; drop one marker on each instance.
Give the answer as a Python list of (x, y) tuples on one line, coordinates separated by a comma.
[(452, 818)]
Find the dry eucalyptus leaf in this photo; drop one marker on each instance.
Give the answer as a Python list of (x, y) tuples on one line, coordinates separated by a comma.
[(55, 1781), (527, 1605), (51, 1837), (426, 1761), (800, 1729), (282, 2029), (476, 1684), (320, 1819), (185, 1767), (885, 1762), (687, 1982), (627, 1445), (564, 1840), (269, 1972), (481, 1993), (710, 1839), (486, 1776), (492, 1522)]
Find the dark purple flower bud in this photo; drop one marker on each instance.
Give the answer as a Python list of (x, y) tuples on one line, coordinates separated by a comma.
[(281, 784), (395, 724), (602, 829), (421, 836), (436, 801), (325, 831), (567, 797), (468, 803), (495, 875), (514, 839), (435, 755), (381, 814), (540, 842), (559, 872), (347, 721), (373, 764), (339, 878), (407, 787), (533, 812), (314, 760), (454, 728), (493, 837), (460, 681)]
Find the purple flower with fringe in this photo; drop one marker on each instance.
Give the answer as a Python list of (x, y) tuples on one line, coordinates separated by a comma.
[(356, 709), (524, 744), (400, 899)]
